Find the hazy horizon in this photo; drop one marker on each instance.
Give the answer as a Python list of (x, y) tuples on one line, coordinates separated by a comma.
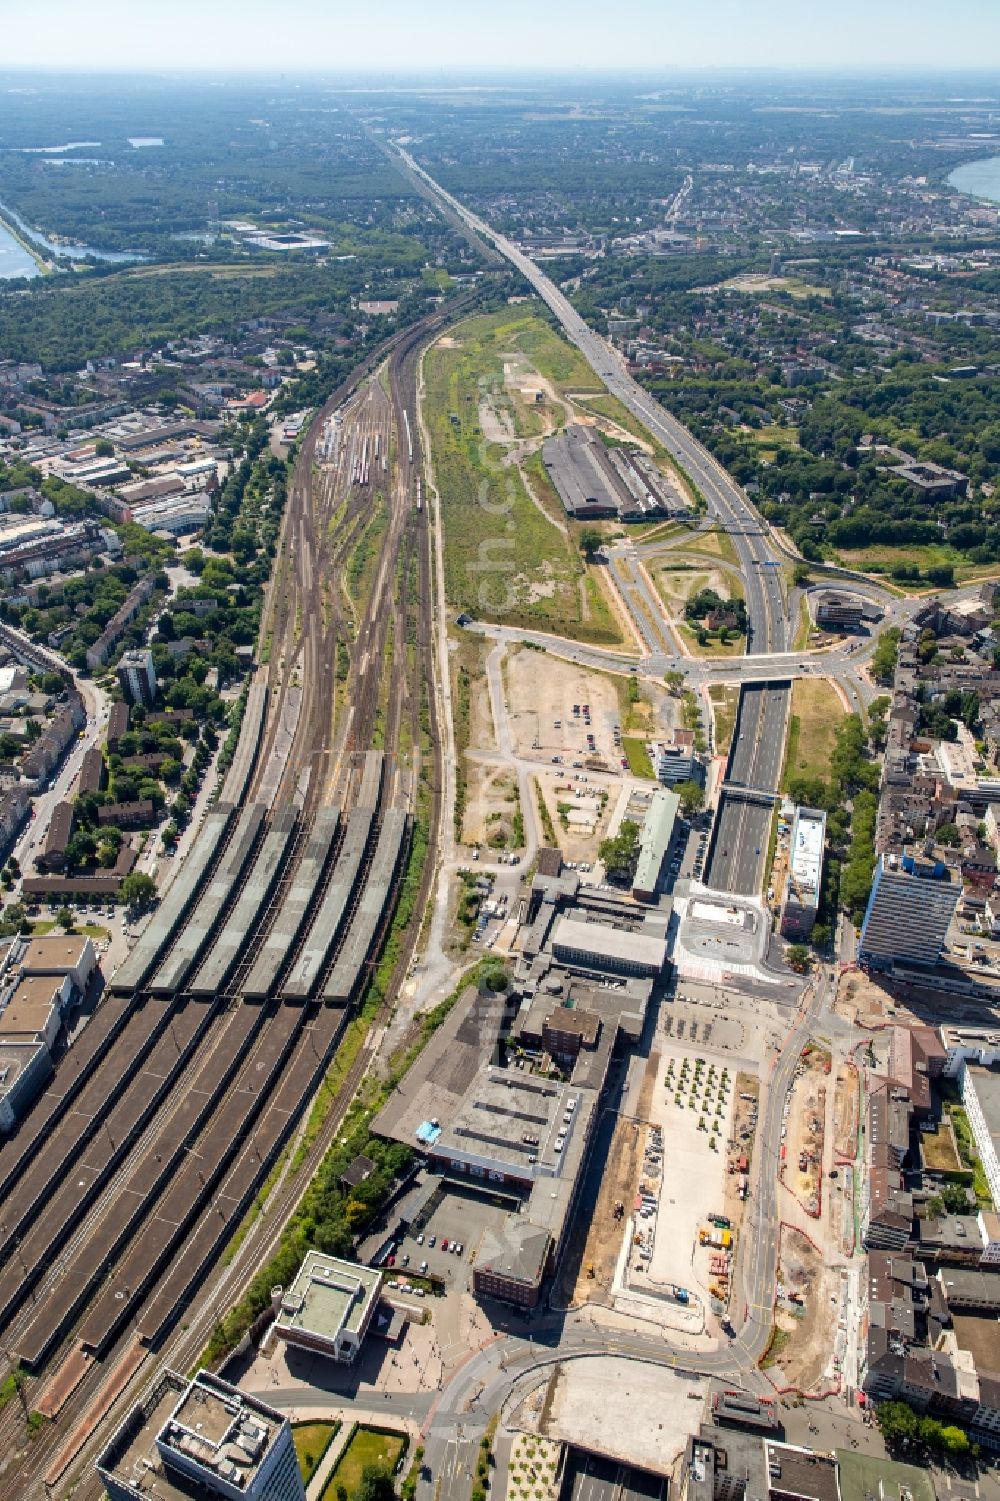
[(394, 36)]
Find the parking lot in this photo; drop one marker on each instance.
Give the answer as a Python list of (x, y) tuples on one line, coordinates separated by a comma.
[(454, 1217), (693, 1184)]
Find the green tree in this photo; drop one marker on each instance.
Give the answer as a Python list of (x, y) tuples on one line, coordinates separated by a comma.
[(65, 919), (590, 541), (376, 1484), (692, 796), (897, 1422), (621, 852), (801, 574), (13, 920), (886, 652), (138, 889), (799, 958)]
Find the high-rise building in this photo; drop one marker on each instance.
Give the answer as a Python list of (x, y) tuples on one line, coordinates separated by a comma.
[(907, 917), (137, 677), (805, 871), (201, 1439)]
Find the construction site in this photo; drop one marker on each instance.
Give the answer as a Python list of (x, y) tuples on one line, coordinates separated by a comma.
[(131, 1175)]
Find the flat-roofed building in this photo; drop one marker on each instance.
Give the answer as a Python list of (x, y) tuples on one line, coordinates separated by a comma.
[(35, 1008), (676, 760), (659, 829), (805, 873), (137, 676), (614, 951), (25, 1069), (969, 1045), (566, 1030), (797, 1474), (981, 1097), (329, 1306), (740, 1409), (839, 612), (201, 1439), (907, 918), (58, 955)]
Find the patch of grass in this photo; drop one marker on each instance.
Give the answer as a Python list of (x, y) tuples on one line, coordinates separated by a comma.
[(939, 1151), (363, 560), (882, 559), (311, 1442), (816, 713), (775, 1346), (804, 628), (9, 1387), (637, 756), (545, 818), (725, 702), (348, 1049), (718, 542), (552, 355), (505, 559), (367, 1446), (970, 1157)]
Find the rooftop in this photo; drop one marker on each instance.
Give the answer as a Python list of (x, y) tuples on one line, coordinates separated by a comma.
[(205, 1421), (328, 1296), (654, 841), (806, 855), (516, 1249), (514, 1118), (625, 944), (53, 953), (865, 1476), (793, 1471)]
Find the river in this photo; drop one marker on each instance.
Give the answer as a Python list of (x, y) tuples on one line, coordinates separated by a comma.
[(981, 179), (14, 259), (71, 248)]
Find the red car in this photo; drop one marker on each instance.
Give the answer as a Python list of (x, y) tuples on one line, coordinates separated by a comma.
[(444, 1244)]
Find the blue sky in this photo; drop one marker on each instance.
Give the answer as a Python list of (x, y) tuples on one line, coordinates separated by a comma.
[(471, 34)]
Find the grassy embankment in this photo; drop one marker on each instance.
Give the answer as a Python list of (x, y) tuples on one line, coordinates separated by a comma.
[(506, 559), (816, 712), (725, 701)]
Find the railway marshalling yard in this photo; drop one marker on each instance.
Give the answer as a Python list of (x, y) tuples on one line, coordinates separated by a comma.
[(136, 1168)]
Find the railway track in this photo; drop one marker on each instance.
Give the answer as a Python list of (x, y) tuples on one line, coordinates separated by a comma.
[(393, 701)]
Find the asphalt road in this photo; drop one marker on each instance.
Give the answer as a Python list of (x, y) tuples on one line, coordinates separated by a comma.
[(725, 499), (742, 830), (595, 1479)]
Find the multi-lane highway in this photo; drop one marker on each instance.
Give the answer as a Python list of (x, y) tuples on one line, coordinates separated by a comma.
[(742, 826), (725, 500)]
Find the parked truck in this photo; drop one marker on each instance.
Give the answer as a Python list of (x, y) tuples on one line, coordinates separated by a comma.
[(721, 1240)]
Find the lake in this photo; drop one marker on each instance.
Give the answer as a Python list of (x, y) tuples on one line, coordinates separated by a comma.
[(981, 179)]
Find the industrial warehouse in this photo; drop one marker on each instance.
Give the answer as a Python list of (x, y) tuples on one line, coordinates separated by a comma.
[(598, 483)]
